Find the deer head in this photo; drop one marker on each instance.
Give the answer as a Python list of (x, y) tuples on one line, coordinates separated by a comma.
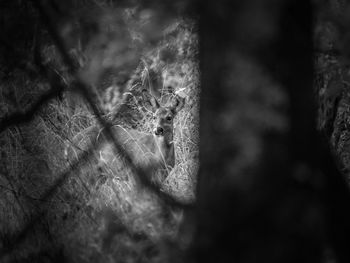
[(163, 122)]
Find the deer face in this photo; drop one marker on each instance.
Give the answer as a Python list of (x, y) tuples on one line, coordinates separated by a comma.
[(163, 116), (164, 124)]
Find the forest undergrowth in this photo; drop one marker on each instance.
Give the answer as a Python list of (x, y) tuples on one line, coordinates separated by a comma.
[(96, 215)]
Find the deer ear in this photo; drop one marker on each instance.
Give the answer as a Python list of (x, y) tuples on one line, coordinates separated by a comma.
[(177, 103), (149, 102)]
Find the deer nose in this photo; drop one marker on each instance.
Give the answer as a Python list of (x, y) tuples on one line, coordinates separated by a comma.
[(158, 131)]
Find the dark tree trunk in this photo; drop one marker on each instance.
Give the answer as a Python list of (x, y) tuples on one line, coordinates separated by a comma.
[(262, 195)]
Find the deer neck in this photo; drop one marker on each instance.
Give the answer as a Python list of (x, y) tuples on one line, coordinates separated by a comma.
[(166, 150)]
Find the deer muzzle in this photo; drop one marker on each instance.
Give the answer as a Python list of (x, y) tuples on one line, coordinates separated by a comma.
[(159, 131)]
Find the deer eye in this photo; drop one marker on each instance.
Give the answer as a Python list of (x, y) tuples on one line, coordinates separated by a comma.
[(169, 118)]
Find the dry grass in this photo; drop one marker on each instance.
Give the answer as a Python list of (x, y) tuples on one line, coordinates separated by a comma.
[(100, 214)]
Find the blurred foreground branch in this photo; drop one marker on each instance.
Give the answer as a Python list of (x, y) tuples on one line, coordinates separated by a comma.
[(28, 115)]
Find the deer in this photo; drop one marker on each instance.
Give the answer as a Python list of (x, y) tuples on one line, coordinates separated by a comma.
[(153, 153)]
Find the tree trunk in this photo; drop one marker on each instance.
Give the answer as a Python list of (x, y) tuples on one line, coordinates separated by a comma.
[(262, 197)]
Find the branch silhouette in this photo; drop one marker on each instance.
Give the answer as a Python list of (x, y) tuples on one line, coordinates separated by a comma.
[(28, 115)]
